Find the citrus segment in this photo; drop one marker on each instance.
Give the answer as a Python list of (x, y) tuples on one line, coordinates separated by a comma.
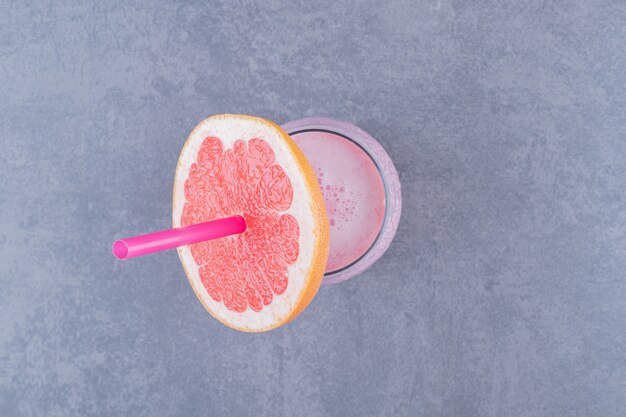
[(265, 276)]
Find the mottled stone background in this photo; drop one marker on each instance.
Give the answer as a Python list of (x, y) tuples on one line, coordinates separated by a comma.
[(503, 294)]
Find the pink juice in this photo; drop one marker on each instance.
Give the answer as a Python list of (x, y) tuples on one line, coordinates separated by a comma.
[(353, 190)]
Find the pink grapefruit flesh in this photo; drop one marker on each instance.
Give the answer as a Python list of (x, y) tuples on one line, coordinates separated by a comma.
[(231, 181)]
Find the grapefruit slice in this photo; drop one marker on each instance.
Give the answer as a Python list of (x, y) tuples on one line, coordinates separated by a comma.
[(264, 277)]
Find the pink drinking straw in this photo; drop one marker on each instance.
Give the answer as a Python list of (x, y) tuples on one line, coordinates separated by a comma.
[(173, 238)]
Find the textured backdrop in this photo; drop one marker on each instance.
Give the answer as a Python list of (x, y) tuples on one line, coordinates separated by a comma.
[(503, 294)]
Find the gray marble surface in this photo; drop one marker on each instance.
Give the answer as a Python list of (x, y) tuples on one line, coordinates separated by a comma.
[(503, 294)]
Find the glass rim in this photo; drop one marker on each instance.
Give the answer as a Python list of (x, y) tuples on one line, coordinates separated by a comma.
[(388, 176)]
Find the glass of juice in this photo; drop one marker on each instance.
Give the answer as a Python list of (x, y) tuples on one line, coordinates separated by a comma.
[(361, 192)]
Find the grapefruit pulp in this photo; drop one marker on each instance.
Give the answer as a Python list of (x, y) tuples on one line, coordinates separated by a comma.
[(264, 277)]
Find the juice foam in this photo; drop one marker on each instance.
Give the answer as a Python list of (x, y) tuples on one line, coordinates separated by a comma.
[(353, 192)]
